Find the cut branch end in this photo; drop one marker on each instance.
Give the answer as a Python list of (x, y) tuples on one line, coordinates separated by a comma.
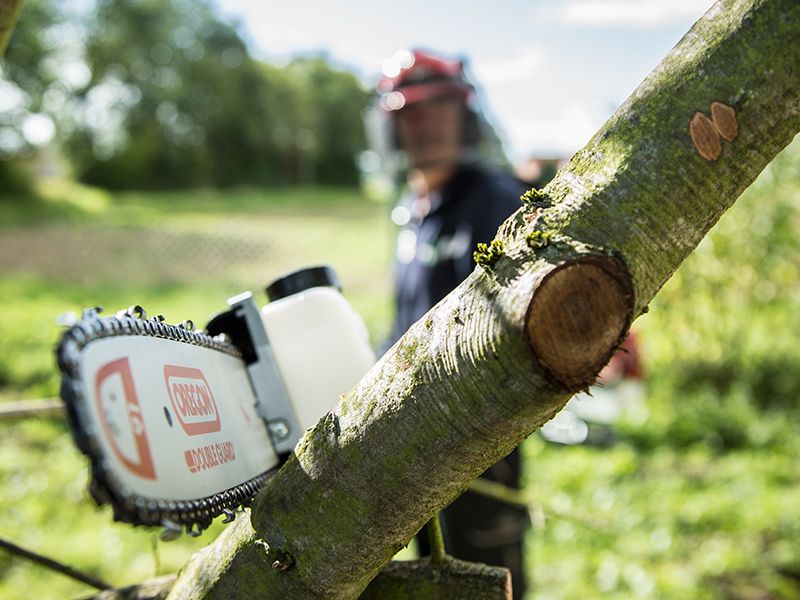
[(579, 314)]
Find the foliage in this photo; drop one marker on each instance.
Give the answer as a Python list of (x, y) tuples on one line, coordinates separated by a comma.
[(25, 64), (680, 524), (15, 181), (151, 95), (696, 502), (698, 499), (336, 122), (722, 332), (26, 60)]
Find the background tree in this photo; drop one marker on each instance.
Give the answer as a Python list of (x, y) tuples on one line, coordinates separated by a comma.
[(334, 117), (27, 73), (149, 94)]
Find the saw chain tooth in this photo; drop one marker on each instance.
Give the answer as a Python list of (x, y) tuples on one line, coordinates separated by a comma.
[(230, 515), (187, 324), (136, 311), (172, 531), (191, 531), (91, 312)]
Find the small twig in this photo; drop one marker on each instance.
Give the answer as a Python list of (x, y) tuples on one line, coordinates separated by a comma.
[(54, 565), (501, 492), (436, 540), (156, 554), (46, 407)]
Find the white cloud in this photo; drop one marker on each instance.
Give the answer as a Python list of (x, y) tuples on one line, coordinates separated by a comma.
[(516, 68), (560, 134), (633, 13)]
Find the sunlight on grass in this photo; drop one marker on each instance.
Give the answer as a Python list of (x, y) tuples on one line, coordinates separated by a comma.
[(87, 199)]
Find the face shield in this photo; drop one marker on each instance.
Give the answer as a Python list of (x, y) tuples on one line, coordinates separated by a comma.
[(416, 77)]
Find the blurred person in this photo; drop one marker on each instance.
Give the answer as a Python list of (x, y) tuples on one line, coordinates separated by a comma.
[(453, 199)]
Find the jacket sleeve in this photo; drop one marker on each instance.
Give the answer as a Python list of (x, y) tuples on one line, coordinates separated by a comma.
[(498, 206)]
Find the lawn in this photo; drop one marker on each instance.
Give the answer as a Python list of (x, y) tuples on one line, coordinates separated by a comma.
[(181, 255), (700, 499)]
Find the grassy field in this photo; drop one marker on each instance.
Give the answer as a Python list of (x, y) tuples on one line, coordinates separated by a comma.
[(181, 255), (701, 500)]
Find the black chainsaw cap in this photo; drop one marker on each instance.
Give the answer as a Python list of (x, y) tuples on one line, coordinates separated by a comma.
[(302, 280)]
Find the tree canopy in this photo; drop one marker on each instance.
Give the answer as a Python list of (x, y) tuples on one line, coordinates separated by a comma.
[(160, 94)]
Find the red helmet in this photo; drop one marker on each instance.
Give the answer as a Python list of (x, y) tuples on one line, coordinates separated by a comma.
[(416, 76)]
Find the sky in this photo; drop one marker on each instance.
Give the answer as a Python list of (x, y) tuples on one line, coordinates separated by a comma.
[(550, 72)]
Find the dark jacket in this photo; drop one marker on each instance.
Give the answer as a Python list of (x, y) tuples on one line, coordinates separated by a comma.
[(435, 247)]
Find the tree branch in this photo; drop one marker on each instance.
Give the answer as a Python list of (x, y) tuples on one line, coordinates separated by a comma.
[(502, 353), (422, 580), (154, 589)]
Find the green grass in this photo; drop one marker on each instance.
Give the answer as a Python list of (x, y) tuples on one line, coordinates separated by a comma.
[(700, 501), (178, 254), (664, 524)]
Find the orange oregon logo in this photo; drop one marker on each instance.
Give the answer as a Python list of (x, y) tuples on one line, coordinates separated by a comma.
[(192, 400), (121, 417)]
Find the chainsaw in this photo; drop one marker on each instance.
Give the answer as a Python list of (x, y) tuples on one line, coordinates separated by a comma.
[(181, 425)]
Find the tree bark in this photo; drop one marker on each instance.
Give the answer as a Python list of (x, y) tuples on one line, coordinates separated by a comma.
[(423, 580), (154, 589), (555, 295), (9, 12)]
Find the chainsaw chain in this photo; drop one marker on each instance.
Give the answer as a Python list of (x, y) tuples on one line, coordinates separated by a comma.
[(173, 515)]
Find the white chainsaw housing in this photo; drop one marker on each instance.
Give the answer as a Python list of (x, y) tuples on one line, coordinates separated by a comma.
[(177, 421), (181, 425)]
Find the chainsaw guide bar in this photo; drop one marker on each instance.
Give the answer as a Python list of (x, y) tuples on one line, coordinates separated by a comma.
[(193, 449)]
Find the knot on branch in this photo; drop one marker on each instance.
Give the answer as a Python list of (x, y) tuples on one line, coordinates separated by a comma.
[(279, 559), (578, 316), (283, 562)]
